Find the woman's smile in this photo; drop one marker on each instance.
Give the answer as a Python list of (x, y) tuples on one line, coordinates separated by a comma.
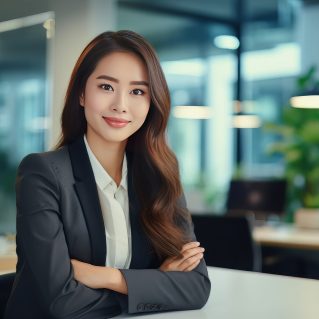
[(116, 122)]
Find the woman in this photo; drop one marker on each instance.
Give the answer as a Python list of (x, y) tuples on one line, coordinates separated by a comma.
[(102, 225)]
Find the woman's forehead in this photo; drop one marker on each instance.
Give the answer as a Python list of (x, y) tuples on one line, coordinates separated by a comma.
[(122, 63)]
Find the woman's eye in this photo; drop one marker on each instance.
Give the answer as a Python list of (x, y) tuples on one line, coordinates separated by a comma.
[(106, 87), (137, 92)]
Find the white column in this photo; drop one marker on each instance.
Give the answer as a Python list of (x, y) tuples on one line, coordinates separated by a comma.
[(219, 131), (76, 23)]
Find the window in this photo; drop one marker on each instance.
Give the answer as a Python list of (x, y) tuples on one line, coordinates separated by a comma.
[(23, 106), (202, 74)]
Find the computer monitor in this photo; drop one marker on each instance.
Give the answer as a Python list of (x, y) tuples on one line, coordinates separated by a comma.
[(263, 197)]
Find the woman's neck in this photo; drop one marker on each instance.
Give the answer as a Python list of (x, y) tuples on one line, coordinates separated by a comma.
[(109, 154)]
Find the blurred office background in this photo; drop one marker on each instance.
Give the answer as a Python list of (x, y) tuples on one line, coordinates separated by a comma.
[(231, 66)]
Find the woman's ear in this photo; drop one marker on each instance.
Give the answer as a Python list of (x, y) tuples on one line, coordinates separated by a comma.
[(81, 99)]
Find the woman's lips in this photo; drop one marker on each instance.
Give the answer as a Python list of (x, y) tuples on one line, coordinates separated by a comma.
[(115, 122)]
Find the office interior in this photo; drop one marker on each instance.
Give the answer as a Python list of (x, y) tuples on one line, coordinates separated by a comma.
[(249, 161)]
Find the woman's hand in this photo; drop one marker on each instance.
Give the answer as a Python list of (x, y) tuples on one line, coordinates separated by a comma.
[(98, 277), (192, 255)]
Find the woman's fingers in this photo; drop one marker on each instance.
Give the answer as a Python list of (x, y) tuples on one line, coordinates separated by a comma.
[(189, 245), (188, 262), (191, 256), (190, 253), (193, 266)]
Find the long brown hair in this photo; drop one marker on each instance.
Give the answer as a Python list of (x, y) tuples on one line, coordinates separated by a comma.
[(155, 171)]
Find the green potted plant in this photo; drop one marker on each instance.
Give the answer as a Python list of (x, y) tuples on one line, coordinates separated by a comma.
[(299, 144)]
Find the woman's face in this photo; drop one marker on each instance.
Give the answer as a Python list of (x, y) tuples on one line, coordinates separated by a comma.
[(116, 99)]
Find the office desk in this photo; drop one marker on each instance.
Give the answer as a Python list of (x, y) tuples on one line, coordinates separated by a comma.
[(287, 236), (289, 250), (246, 295), (8, 263), (8, 257)]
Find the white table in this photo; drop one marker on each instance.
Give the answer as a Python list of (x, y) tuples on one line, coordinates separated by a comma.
[(246, 295)]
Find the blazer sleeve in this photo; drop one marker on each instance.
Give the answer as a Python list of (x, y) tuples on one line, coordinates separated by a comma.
[(41, 237), (156, 290)]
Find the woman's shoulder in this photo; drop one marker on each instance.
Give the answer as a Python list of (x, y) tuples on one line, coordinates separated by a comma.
[(41, 160), (52, 155)]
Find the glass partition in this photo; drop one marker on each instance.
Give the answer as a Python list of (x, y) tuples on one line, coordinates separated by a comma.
[(23, 104)]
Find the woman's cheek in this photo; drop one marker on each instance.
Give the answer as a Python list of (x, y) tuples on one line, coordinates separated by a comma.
[(142, 110), (96, 104)]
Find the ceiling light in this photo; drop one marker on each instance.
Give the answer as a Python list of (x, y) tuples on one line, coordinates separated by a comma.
[(246, 121), (192, 112), (305, 101), (229, 42)]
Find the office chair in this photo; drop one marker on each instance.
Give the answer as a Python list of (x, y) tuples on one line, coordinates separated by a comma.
[(6, 283), (228, 241)]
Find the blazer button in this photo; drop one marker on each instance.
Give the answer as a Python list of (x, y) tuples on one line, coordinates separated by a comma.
[(140, 307)]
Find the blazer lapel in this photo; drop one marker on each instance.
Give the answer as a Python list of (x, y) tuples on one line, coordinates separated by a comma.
[(86, 189)]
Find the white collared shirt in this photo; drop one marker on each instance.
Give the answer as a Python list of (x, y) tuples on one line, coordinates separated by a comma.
[(115, 210)]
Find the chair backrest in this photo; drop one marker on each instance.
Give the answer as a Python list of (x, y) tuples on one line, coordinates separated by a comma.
[(263, 197), (6, 283), (228, 241)]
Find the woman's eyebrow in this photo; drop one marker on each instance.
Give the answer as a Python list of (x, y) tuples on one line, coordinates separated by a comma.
[(139, 83), (107, 77), (110, 78)]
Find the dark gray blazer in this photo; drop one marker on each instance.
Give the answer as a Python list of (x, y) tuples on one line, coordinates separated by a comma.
[(59, 218)]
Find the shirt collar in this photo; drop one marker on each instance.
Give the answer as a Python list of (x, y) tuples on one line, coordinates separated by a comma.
[(102, 178)]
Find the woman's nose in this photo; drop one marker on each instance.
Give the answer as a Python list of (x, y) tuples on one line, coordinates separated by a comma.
[(120, 103)]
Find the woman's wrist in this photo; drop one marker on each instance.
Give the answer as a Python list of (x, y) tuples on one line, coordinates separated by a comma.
[(115, 280), (99, 277)]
